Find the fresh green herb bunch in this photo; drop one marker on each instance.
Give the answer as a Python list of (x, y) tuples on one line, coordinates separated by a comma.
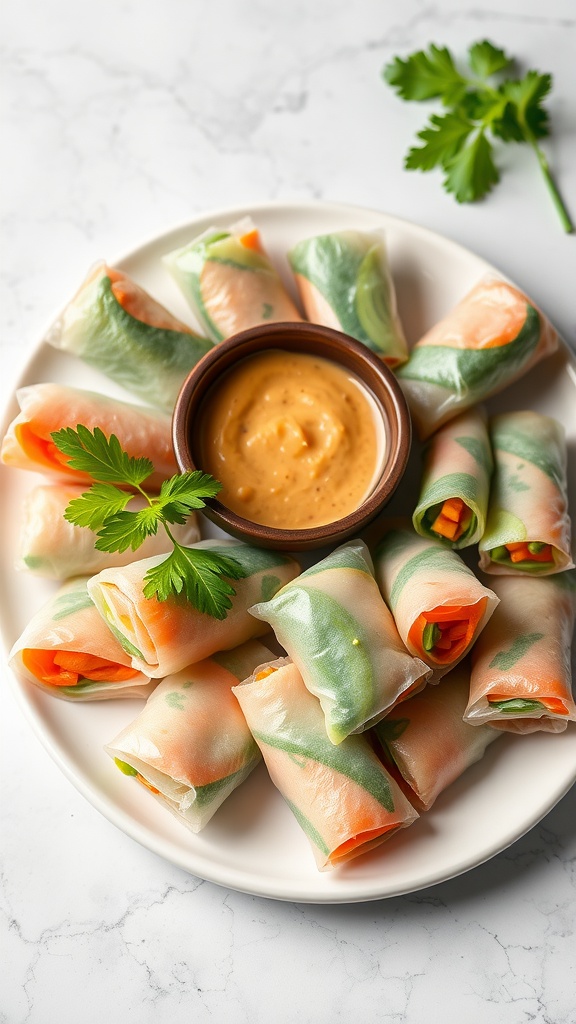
[(479, 111), (201, 576)]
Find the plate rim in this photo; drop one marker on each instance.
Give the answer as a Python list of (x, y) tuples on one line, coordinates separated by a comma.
[(145, 836)]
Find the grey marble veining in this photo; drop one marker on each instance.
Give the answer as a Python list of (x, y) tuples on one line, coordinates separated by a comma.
[(120, 121)]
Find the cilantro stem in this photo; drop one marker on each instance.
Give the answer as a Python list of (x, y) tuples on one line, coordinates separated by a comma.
[(551, 184)]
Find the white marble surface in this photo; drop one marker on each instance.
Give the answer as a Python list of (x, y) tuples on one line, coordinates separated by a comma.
[(120, 120)]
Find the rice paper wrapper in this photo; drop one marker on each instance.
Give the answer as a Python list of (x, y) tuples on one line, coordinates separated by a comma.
[(68, 638), (345, 283), (229, 281), (457, 465), (190, 744), (117, 327), (521, 677), (427, 741), (336, 628), (439, 605), (490, 339), (54, 548), (46, 408), (341, 796), (162, 637), (528, 498)]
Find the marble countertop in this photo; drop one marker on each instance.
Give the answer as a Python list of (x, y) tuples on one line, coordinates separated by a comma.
[(118, 124)]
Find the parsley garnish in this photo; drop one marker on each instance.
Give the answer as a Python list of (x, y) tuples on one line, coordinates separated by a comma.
[(199, 575), (479, 112)]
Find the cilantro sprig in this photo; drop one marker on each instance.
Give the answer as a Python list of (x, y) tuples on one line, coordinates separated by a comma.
[(479, 112), (199, 575)]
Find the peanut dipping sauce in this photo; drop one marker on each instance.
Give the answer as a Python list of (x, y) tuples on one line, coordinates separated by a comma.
[(296, 440)]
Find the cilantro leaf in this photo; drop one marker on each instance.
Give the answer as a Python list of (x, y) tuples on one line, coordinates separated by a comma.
[(459, 141), (485, 59), (527, 94), (471, 173), (96, 505), (202, 576), (128, 529), (182, 494), (101, 457), (425, 75), (443, 137)]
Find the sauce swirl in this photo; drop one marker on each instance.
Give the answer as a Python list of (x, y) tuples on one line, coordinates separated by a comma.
[(296, 440)]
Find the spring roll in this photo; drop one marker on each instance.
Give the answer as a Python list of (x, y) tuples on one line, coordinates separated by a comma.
[(453, 499), (190, 744), (336, 628), (114, 325), (46, 408), (67, 650), (489, 340), (228, 280), (439, 606), (427, 741), (521, 677), (528, 528), (163, 637), (344, 282), (342, 797), (56, 549)]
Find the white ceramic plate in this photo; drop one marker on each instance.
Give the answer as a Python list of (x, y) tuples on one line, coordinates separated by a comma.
[(253, 843)]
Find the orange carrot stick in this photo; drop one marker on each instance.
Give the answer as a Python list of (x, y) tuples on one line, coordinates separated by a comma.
[(457, 626), (251, 240), (65, 668)]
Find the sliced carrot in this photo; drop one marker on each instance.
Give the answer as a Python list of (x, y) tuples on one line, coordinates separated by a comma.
[(251, 240), (90, 667), (147, 784), (120, 294), (453, 519), (490, 316), (65, 668), (445, 527), (457, 625), (265, 672), (453, 508), (520, 552), (359, 840), (41, 450)]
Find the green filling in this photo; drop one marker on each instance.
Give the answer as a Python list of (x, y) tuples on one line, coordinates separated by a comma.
[(479, 450), (125, 644), (466, 370), (430, 635), (252, 560), (207, 794), (150, 361), (33, 561), (501, 556), (346, 557), (351, 759), (307, 827), (69, 603), (472, 490), (517, 705), (505, 660), (540, 451), (127, 769), (351, 280), (429, 559), (336, 650)]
